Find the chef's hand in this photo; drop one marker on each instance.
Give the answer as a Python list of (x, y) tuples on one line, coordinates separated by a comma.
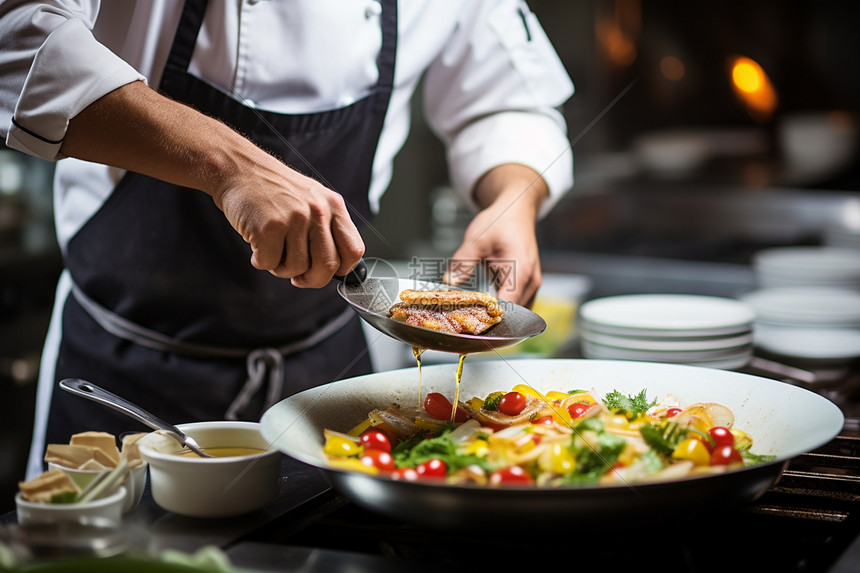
[(297, 228), (502, 235)]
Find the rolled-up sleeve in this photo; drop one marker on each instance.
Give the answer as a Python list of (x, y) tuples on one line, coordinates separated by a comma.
[(493, 97), (51, 68)]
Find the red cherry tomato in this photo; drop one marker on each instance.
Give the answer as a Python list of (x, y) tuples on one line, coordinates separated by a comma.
[(378, 459), (722, 436), (375, 440), (725, 455), (432, 468), (672, 412), (512, 403), (439, 407), (543, 420), (577, 409), (511, 475), (404, 474)]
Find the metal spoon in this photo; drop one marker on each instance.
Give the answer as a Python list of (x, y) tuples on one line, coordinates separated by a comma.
[(92, 392), (373, 297)]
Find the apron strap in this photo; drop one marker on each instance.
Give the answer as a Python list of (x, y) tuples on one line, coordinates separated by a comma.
[(186, 35), (263, 364)]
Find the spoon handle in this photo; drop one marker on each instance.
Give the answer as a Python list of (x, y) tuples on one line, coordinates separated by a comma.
[(92, 392)]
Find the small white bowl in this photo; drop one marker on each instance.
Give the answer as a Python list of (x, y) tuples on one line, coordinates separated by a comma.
[(105, 509), (134, 483), (212, 487)]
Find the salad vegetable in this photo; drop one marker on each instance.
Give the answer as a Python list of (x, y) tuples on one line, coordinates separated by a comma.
[(523, 437)]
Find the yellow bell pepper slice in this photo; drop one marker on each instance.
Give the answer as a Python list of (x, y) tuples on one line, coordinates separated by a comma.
[(527, 390), (341, 446), (425, 424), (352, 464), (694, 451), (360, 428)]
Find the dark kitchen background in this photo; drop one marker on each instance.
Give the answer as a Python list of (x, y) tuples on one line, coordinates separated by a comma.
[(702, 132)]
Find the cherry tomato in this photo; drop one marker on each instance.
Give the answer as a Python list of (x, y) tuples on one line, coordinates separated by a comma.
[(577, 409), (512, 403), (725, 455), (543, 420), (375, 440), (672, 412), (404, 474), (432, 468), (439, 407), (378, 459), (722, 436), (511, 475)]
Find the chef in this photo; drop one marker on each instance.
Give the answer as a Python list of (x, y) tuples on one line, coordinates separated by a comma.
[(219, 161)]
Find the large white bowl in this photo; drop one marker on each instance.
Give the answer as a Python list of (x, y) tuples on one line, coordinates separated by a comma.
[(784, 421), (106, 509), (134, 482), (212, 487)]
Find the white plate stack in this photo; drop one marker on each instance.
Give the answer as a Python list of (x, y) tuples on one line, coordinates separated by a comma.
[(842, 236), (676, 328), (829, 267), (808, 323)]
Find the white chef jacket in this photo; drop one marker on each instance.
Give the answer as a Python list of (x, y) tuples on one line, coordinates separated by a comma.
[(492, 86)]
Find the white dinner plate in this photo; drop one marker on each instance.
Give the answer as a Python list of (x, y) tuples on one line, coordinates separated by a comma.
[(590, 350), (668, 345), (833, 263), (806, 306), (830, 344), (667, 314)]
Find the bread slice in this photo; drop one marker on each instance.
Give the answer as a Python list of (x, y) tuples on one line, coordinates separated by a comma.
[(102, 441), (44, 487)]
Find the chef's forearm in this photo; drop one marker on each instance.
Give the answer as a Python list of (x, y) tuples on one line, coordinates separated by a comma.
[(513, 185), (135, 128)]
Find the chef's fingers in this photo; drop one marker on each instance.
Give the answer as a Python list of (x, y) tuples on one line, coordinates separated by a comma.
[(348, 241), (462, 265), (516, 280), (324, 260), (267, 249), (296, 258)]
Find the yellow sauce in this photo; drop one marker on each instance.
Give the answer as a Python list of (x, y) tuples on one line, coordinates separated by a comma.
[(418, 352), (224, 452), (457, 387)]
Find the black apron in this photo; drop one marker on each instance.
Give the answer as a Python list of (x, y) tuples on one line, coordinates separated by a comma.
[(168, 311)]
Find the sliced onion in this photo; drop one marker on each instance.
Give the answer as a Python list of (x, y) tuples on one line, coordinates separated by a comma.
[(675, 471), (533, 406), (469, 474), (510, 432), (532, 454), (708, 414), (464, 431)]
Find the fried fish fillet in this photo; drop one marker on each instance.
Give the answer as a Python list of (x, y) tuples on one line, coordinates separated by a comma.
[(454, 311)]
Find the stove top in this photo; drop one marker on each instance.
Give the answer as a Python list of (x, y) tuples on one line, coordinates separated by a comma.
[(806, 522)]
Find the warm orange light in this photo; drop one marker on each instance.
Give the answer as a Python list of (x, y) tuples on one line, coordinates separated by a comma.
[(617, 31), (753, 87), (747, 76), (672, 68)]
